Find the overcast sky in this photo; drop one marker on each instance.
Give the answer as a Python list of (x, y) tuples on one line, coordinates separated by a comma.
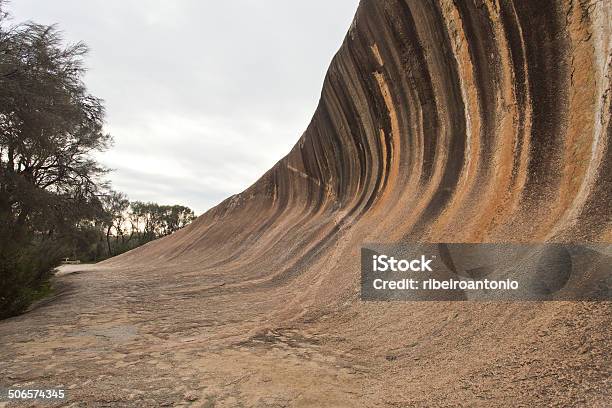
[(202, 96)]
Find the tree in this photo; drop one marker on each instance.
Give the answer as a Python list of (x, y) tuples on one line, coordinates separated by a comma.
[(53, 200), (115, 205), (177, 217), (49, 127), (146, 220), (156, 220)]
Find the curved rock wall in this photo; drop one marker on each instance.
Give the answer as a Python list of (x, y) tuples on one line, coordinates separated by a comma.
[(466, 121), (438, 121)]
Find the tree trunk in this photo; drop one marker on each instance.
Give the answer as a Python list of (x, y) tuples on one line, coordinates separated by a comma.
[(108, 231)]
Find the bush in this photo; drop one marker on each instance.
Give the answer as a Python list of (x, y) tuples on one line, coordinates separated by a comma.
[(25, 273)]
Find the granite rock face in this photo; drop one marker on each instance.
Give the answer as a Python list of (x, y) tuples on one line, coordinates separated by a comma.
[(439, 121)]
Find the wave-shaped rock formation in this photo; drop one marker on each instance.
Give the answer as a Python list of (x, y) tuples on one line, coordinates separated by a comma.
[(439, 121)]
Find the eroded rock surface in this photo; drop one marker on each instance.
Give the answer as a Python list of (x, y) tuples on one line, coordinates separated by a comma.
[(439, 121)]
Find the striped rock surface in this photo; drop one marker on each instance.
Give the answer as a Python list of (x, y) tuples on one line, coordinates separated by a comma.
[(439, 121)]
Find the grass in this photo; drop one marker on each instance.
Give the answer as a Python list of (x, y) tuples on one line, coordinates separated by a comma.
[(44, 290)]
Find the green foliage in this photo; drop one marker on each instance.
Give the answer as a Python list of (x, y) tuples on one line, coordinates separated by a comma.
[(129, 225), (24, 274), (49, 182), (53, 201), (159, 220)]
